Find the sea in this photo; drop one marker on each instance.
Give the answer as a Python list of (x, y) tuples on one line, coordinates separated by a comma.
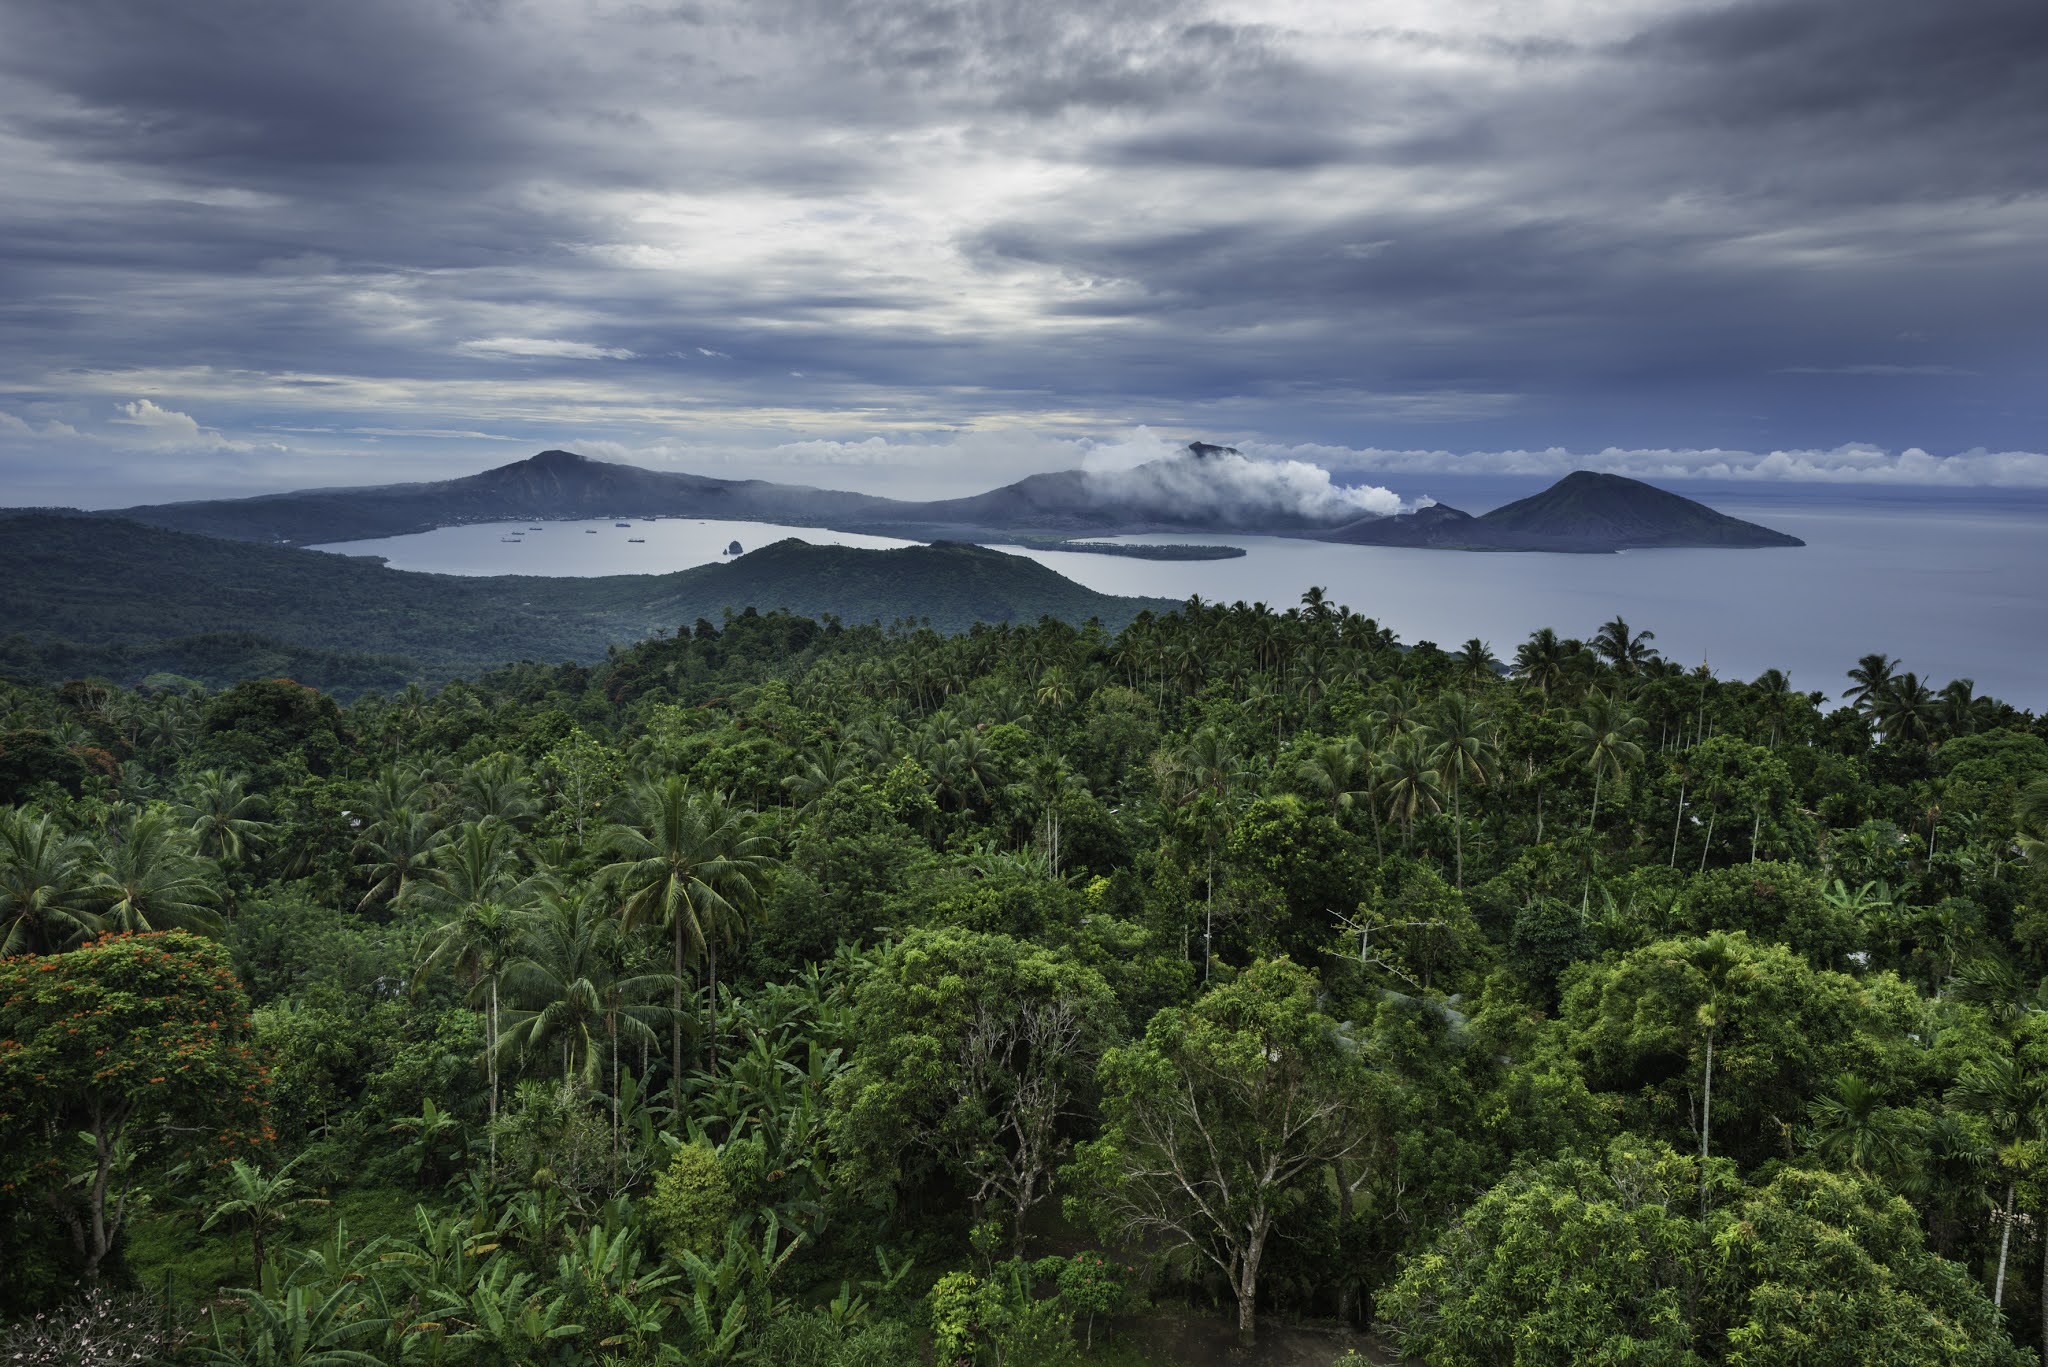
[(1952, 585)]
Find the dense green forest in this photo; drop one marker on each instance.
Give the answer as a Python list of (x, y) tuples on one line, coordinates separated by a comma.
[(776, 992), (92, 596)]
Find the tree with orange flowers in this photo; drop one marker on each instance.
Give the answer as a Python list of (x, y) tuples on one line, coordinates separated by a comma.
[(130, 1051)]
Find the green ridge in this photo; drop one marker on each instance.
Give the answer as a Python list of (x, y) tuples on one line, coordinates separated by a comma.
[(90, 596)]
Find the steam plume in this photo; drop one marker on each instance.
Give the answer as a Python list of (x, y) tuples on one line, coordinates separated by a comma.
[(1212, 483)]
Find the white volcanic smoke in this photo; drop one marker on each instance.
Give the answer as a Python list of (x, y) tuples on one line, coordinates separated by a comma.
[(1219, 484)]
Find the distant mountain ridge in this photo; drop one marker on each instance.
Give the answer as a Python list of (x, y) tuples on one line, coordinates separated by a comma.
[(1586, 512), (1190, 492), (563, 484), (556, 484)]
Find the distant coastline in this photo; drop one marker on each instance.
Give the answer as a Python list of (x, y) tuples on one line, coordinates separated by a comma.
[(1141, 551)]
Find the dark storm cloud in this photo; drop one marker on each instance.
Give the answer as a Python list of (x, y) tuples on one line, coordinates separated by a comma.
[(1793, 222), (1863, 102)]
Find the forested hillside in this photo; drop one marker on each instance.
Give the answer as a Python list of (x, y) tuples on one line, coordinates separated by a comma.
[(778, 994), (100, 597)]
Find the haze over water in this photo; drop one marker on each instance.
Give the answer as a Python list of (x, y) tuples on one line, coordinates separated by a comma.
[(1954, 591)]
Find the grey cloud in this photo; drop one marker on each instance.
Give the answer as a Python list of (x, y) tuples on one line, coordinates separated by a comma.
[(1246, 146), (1872, 100), (1008, 211)]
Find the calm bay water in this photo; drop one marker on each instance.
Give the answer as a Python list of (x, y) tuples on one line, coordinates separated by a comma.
[(1954, 590), (587, 549)]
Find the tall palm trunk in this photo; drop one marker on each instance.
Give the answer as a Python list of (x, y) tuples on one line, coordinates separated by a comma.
[(1594, 814), (1458, 828), (1706, 1117), (1677, 822), (493, 1056), (612, 1029), (711, 949), (675, 1067), (1209, 918), (2004, 1244)]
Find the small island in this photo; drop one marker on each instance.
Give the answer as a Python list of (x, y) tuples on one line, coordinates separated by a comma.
[(1139, 551), (1585, 513)]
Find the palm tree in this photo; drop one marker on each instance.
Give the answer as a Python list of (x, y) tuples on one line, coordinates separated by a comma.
[(397, 788), (1541, 660), (1606, 732), (1906, 709), (1628, 652), (1337, 771), (1774, 699), (2012, 1096), (474, 885), (227, 818), (1212, 762), (1460, 739), (1055, 689), (1871, 675), (1208, 770), (819, 772), (261, 1201), (151, 880), (394, 852), (2031, 815), (496, 786), (174, 723), (1476, 663), (696, 865), (1050, 785), (45, 884), (1854, 1128), (1411, 786), (1962, 711), (571, 974), (971, 769), (411, 703)]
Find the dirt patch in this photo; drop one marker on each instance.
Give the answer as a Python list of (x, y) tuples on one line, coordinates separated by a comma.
[(1203, 1341)]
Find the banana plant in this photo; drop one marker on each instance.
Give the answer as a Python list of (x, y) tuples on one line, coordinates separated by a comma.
[(335, 1262), (437, 1140), (536, 1221), (297, 1329), (710, 1339), (851, 1309), (508, 1315), (444, 1257)]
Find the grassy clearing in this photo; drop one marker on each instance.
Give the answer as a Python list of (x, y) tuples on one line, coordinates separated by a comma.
[(167, 1250)]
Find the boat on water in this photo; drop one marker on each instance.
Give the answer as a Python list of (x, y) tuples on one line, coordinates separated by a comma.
[(590, 531), (636, 541), (533, 529), (514, 539), (622, 524)]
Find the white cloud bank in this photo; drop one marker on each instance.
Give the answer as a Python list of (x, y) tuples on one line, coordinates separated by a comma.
[(1853, 463), (45, 458), (167, 423), (543, 348), (1303, 477)]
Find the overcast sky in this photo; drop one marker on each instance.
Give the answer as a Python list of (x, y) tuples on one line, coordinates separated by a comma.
[(936, 244)]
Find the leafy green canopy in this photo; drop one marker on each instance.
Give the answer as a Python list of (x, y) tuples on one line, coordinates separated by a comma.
[(1580, 1261)]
